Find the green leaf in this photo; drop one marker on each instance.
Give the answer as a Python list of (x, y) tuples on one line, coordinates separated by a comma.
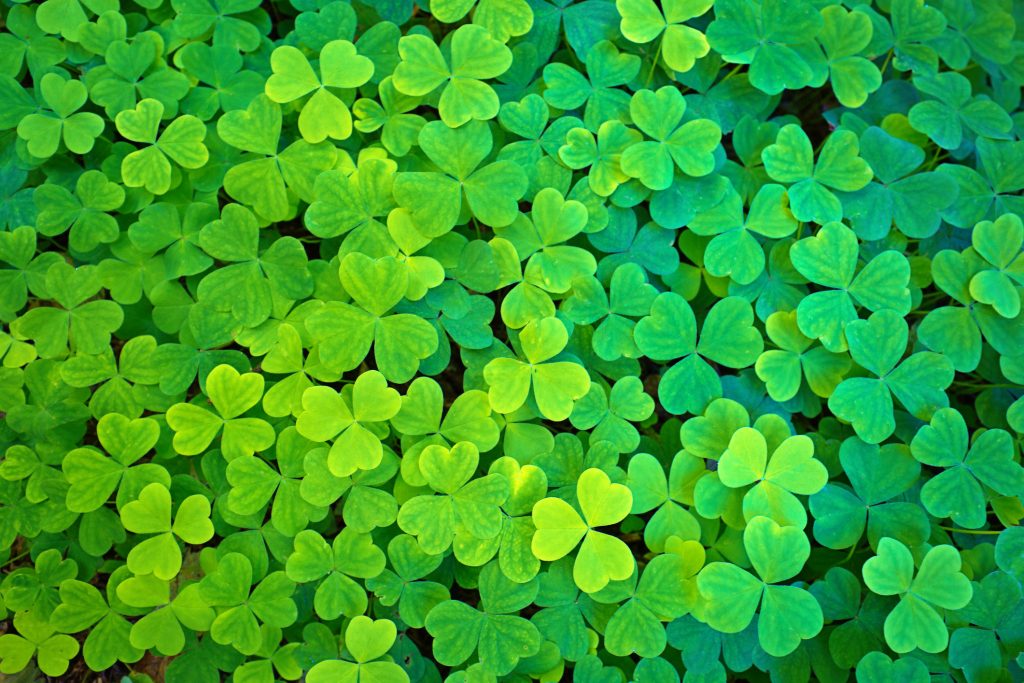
[(560, 528), (914, 622)]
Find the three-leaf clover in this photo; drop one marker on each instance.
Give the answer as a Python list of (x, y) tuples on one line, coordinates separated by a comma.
[(727, 337), (85, 212), (77, 322), (555, 384), (681, 45), (552, 265), (879, 477), (830, 259), (912, 201), (465, 505), (666, 591), (775, 37), (163, 629), (957, 491), (999, 243), (181, 141), (241, 610), (352, 555), (603, 155), (629, 296), (790, 160), (560, 528), (326, 415), (777, 479), (232, 394), (783, 369), (439, 200), (324, 115), (475, 57), (150, 513), (367, 641), (688, 147), (789, 614), (36, 637), (83, 608), (248, 282), (609, 413), (844, 36), (943, 119), (94, 477), (404, 585), (495, 632), (915, 622), (254, 483), (734, 251), (268, 178), (607, 68), (44, 131), (344, 332), (919, 382)]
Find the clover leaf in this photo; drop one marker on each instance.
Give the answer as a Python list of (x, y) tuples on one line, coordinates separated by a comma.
[(879, 476), (351, 555), (501, 639), (913, 201), (181, 140), (150, 513), (94, 477), (839, 167), (560, 528), (775, 38), (323, 115), (795, 360), (344, 333), (44, 131), (956, 492), (943, 119), (788, 614), (326, 415), (681, 45), (35, 637), (830, 259), (734, 252), (606, 68), (367, 641), (231, 394), (475, 57), (844, 36), (688, 147), (877, 345), (465, 506), (85, 212), (268, 177), (554, 385), (670, 332), (241, 609), (629, 296), (937, 583), (789, 469), (76, 323)]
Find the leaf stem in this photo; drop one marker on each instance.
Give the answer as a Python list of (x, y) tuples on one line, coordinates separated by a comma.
[(977, 532), (974, 385), (731, 73), (654, 64), (16, 558), (885, 64)]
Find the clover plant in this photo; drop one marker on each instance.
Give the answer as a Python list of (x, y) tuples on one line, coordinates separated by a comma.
[(498, 341)]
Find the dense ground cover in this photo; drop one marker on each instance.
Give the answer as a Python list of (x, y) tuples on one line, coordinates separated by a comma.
[(480, 340)]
